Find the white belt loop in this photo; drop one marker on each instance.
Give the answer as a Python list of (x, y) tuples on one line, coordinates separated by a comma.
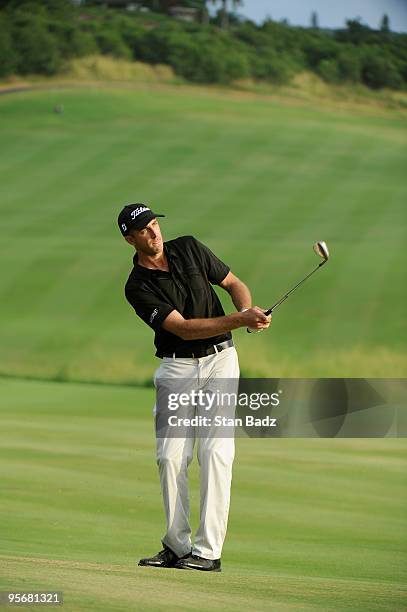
[(173, 355), (216, 348)]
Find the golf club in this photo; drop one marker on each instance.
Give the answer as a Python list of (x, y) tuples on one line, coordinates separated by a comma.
[(322, 251)]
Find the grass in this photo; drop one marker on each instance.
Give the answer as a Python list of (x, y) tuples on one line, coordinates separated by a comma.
[(314, 524), (257, 180)]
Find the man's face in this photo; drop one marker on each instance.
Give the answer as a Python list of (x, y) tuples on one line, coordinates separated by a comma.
[(147, 240)]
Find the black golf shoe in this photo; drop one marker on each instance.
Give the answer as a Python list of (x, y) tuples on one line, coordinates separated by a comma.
[(193, 562), (165, 558)]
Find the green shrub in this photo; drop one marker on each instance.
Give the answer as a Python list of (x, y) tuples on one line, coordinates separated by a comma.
[(156, 45), (83, 43), (349, 65), (36, 48), (198, 62), (8, 55), (237, 66), (110, 42), (379, 70), (133, 36), (328, 69), (197, 54), (317, 47), (271, 66)]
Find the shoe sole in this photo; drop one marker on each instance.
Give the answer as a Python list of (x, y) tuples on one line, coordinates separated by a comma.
[(153, 565), (199, 569)]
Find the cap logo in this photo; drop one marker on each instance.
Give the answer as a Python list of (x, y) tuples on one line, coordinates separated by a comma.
[(124, 227), (137, 211)]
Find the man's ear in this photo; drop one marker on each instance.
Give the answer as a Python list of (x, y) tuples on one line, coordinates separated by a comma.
[(129, 238)]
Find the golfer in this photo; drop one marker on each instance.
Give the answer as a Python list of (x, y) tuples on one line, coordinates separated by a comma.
[(170, 288)]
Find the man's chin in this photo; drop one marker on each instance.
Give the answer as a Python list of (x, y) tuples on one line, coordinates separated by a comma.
[(156, 249)]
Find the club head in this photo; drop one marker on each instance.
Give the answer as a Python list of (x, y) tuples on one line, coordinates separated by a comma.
[(321, 249)]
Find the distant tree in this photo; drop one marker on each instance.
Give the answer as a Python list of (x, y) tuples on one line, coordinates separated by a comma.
[(385, 24), (379, 70), (357, 32), (328, 69), (37, 48), (110, 42), (224, 10), (272, 66), (349, 65), (202, 56), (314, 20), (61, 8), (8, 56), (317, 48)]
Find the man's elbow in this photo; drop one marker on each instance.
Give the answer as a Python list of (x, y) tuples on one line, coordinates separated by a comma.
[(183, 334), (186, 333), (175, 324), (181, 331), (234, 285)]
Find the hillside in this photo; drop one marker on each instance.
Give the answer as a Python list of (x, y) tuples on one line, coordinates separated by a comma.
[(257, 180)]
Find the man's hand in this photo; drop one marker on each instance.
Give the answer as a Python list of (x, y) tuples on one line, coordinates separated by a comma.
[(255, 319)]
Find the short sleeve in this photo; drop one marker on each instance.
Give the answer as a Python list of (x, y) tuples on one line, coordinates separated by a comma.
[(148, 306), (216, 270)]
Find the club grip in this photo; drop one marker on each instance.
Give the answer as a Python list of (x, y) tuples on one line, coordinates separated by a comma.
[(256, 331)]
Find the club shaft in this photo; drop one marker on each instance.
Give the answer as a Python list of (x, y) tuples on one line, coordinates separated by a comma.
[(280, 301)]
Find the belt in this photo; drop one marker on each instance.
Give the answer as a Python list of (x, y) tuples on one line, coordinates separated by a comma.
[(210, 350)]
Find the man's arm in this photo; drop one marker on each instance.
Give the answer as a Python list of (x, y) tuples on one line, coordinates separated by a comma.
[(197, 329), (237, 290)]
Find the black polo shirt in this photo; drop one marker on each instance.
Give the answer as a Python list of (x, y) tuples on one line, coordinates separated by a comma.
[(187, 287)]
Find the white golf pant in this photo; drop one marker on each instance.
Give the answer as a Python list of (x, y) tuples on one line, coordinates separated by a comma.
[(215, 457)]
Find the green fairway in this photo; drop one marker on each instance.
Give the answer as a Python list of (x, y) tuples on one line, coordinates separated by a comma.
[(314, 524), (256, 181)]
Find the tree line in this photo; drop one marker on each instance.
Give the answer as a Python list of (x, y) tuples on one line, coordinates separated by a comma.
[(39, 38)]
